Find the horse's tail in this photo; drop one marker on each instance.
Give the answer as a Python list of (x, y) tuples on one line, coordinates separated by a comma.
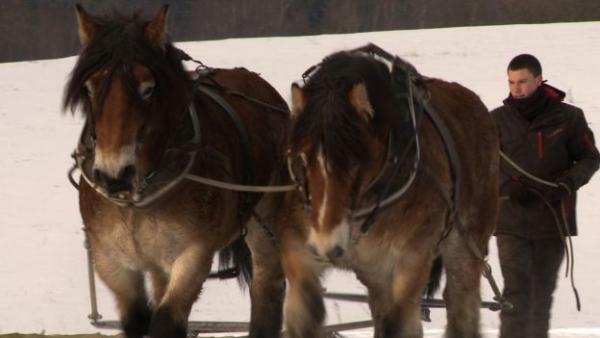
[(435, 276), (236, 261)]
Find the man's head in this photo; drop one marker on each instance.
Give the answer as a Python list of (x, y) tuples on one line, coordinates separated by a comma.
[(524, 75)]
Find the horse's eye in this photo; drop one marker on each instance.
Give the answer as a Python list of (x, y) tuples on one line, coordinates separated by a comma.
[(146, 89)]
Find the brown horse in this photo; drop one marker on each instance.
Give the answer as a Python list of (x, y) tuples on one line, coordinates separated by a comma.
[(386, 193), (148, 124)]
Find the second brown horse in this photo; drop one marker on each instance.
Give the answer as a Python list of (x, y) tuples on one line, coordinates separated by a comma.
[(383, 192)]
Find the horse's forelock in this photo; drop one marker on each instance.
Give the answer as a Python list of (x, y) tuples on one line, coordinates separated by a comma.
[(118, 45), (329, 120), (328, 125)]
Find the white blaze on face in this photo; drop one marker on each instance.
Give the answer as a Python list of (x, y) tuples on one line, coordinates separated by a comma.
[(340, 235), (325, 242), (111, 163), (323, 208)]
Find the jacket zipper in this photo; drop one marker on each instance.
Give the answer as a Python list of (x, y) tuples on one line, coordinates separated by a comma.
[(540, 145)]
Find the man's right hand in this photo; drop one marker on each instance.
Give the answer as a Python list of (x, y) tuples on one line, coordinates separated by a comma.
[(519, 192)]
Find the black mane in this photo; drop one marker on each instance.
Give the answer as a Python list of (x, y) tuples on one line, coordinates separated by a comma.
[(117, 45), (329, 116)]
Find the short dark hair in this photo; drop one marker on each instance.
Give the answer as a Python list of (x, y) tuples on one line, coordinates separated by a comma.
[(526, 61)]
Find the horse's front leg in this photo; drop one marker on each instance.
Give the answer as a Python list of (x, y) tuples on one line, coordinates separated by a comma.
[(128, 288), (188, 273), (403, 320), (305, 310), (267, 289), (160, 280), (379, 303)]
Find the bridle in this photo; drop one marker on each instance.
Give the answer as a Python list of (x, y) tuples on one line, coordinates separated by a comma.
[(163, 179), (395, 159), (145, 191)]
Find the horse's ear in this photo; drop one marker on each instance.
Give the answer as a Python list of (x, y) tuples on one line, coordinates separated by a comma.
[(298, 102), (156, 30), (87, 26), (359, 99)]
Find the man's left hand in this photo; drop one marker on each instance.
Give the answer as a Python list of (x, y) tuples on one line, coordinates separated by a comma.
[(564, 188)]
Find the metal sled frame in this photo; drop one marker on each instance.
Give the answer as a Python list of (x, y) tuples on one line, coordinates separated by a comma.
[(197, 327)]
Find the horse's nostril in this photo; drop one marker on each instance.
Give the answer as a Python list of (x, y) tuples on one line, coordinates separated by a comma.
[(335, 253), (100, 177), (115, 185), (127, 173), (97, 175)]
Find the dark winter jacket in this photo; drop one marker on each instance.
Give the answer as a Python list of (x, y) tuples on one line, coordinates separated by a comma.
[(553, 143)]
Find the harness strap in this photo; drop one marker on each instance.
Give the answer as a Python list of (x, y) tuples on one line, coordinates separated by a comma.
[(411, 75), (487, 269), (257, 101), (450, 148), (240, 187), (247, 171), (383, 200)]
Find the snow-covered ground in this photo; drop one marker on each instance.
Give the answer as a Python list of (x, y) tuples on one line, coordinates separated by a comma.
[(43, 278)]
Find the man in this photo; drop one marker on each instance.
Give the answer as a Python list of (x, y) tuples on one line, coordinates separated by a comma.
[(552, 141)]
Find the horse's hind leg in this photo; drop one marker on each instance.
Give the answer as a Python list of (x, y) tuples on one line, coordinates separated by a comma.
[(188, 273), (128, 287), (463, 275), (267, 289)]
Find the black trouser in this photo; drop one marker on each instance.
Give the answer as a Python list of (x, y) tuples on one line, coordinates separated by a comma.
[(530, 270)]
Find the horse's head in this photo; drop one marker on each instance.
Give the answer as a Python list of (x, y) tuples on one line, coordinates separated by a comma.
[(133, 90), (338, 142)]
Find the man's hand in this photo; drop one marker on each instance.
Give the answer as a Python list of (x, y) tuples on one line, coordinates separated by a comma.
[(519, 192), (564, 188)]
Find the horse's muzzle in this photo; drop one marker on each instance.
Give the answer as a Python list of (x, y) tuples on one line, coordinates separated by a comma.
[(123, 181)]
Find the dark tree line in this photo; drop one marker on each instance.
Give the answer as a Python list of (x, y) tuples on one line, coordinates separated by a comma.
[(32, 29)]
